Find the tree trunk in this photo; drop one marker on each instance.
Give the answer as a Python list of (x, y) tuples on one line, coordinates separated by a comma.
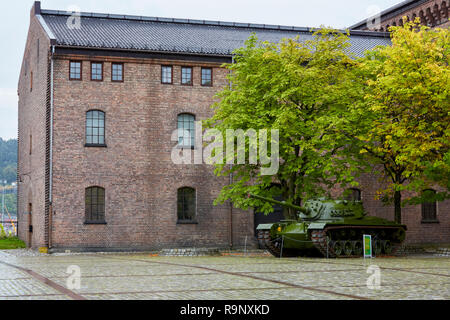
[(289, 213), (398, 206)]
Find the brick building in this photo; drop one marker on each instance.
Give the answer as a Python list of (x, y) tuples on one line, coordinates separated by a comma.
[(433, 13), (99, 98)]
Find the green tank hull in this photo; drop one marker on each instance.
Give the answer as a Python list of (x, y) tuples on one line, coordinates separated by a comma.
[(331, 229)]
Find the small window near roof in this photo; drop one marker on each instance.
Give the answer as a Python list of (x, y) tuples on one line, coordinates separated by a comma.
[(206, 77), (117, 72), (96, 71), (166, 74), (75, 70), (186, 76)]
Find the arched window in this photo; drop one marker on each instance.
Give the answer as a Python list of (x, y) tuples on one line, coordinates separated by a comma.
[(186, 130), (352, 194), (95, 128), (429, 208), (437, 13), (430, 17), (186, 204), (444, 10), (422, 17), (95, 205)]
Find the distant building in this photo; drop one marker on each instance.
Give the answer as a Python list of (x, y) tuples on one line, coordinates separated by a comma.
[(98, 103), (433, 13)]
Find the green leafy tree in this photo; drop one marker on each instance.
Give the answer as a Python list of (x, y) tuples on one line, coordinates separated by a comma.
[(8, 160), (9, 173), (304, 90), (407, 110)]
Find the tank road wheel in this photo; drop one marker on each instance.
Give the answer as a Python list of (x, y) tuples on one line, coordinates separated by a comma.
[(377, 246), (357, 248), (337, 248), (348, 248), (387, 246)]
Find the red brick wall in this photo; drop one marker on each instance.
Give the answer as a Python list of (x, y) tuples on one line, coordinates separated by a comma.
[(136, 169), (32, 121)]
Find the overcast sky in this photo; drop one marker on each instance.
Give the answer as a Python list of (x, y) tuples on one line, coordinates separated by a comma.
[(14, 22)]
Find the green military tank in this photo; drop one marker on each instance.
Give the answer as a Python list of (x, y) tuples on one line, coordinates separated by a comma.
[(331, 228)]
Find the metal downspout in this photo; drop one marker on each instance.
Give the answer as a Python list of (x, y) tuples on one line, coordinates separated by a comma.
[(231, 181), (50, 220)]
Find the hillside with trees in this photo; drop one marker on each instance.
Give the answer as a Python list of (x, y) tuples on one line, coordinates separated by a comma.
[(8, 160)]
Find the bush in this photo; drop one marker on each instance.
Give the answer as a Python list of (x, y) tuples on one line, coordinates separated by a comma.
[(2, 233)]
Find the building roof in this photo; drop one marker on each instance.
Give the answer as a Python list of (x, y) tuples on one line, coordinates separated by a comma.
[(136, 33), (391, 12)]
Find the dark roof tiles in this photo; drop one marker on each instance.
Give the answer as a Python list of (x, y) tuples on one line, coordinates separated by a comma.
[(179, 35)]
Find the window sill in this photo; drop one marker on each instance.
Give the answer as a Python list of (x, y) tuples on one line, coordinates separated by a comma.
[(186, 222), (89, 145), (95, 222), (429, 221), (187, 147)]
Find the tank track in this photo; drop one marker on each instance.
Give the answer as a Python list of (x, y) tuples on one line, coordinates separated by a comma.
[(265, 241), (320, 240)]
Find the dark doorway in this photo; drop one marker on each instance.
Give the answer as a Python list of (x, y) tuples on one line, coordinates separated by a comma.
[(275, 216)]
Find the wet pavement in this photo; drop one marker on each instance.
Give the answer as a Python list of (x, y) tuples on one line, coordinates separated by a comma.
[(144, 276)]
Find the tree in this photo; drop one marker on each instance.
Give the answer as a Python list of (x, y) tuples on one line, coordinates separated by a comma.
[(407, 109), (9, 173), (304, 90), (8, 160)]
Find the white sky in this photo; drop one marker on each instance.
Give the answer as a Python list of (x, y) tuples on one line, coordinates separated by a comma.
[(14, 21)]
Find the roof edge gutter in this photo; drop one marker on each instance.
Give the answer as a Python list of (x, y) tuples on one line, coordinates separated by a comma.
[(228, 55)]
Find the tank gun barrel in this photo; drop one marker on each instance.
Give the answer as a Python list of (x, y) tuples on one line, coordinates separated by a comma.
[(280, 203)]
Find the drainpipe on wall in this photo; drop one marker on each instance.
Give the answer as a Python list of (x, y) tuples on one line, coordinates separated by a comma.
[(231, 181), (231, 215), (50, 197)]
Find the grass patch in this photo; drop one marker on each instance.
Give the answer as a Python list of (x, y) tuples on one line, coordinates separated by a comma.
[(11, 243)]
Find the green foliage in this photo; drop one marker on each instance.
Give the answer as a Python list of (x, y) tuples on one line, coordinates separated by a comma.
[(8, 160), (303, 89), (9, 243), (355, 207), (406, 109), (2, 232)]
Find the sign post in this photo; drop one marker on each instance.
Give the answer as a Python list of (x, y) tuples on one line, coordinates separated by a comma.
[(367, 244)]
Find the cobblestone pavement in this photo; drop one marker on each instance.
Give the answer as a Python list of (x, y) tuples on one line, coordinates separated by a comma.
[(143, 276)]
